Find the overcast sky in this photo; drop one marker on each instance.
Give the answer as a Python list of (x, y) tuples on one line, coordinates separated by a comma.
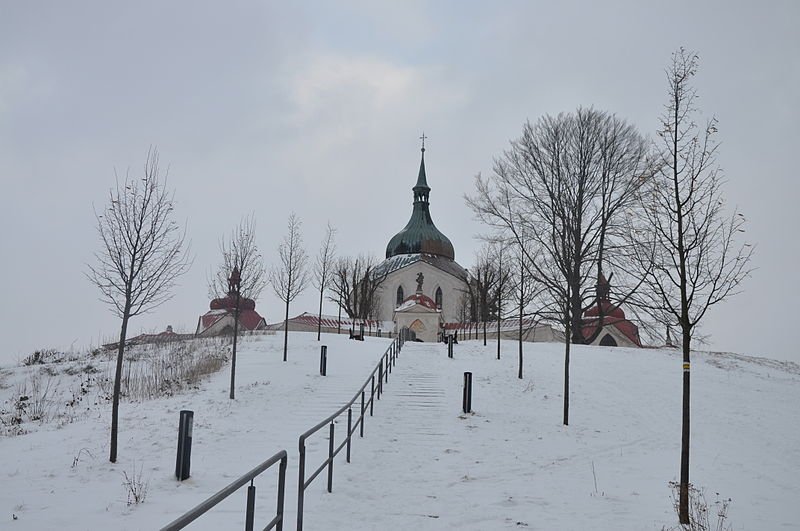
[(280, 107)]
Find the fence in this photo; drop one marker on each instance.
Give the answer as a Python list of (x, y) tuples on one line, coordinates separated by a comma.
[(382, 371), (204, 507)]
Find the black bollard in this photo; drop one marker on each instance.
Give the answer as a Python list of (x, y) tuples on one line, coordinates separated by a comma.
[(449, 349), (361, 331), (467, 400), (323, 360), (184, 459)]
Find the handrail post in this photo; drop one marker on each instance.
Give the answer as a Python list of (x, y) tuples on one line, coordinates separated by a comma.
[(372, 395), (386, 372), (380, 378), (281, 491), (349, 430), (251, 507), (363, 410), (330, 462), (301, 484)]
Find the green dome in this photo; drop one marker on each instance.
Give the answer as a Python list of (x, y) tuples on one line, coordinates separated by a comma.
[(420, 235)]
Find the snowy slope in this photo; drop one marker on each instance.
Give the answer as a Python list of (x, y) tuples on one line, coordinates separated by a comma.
[(423, 465)]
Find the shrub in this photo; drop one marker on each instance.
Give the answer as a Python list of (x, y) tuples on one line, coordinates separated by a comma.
[(701, 517), (135, 486)]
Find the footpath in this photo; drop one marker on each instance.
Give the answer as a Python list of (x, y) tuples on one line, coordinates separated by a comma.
[(423, 464)]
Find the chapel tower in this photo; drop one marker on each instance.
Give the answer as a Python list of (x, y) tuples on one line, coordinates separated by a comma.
[(420, 247)]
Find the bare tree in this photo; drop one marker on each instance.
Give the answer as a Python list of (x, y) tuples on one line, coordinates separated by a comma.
[(142, 254), (566, 184), (355, 285), (322, 269), (240, 251), (240, 275), (481, 286), (698, 261), (291, 277)]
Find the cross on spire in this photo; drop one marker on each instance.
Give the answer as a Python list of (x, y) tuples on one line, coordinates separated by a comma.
[(423, 137)]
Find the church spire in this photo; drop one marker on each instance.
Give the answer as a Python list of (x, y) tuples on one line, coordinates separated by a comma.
[(421, 189), (420, 235)]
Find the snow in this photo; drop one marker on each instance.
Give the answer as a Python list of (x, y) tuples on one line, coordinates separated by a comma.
[(422, 464)]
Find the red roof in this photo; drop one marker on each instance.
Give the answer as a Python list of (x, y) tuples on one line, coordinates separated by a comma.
[(161, 337), (248, 319), (331, 321), (609, 310), (229, 302), (422, 300)]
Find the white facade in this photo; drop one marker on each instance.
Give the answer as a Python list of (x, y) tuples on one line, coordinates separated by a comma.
[(452, 289)]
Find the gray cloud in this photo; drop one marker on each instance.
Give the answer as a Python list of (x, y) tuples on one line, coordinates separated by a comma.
[(273, 108)]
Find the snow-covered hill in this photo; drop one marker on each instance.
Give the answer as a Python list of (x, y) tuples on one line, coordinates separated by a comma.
[(424, 465)]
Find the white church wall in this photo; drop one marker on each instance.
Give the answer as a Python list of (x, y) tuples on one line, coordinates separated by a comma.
[(452, 289)]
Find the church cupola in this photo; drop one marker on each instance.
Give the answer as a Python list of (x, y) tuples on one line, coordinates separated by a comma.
[(420, 235)]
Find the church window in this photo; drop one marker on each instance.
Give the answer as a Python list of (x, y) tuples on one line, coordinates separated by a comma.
[(400, 296), (439, 298)]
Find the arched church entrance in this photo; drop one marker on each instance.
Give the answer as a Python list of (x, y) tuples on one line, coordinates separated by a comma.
[(608, 341), (417, 326)]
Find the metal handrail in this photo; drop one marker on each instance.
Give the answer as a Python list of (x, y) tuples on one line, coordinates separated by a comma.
[(205, 506), (382, 370), (339, 411)]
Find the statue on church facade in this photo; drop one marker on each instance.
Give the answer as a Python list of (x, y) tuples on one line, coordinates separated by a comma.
[(420, 280)]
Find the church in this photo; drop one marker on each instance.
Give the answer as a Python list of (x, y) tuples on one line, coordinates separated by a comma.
[(421, 274), (423, 288)]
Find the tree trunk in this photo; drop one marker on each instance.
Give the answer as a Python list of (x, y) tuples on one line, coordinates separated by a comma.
[(499, 300), (498, 335), (521, 306), (319, 319), (286, 330), (235, 335), (576, 317), (566, 374), (339, 329), (683, 499), (117, 382)]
